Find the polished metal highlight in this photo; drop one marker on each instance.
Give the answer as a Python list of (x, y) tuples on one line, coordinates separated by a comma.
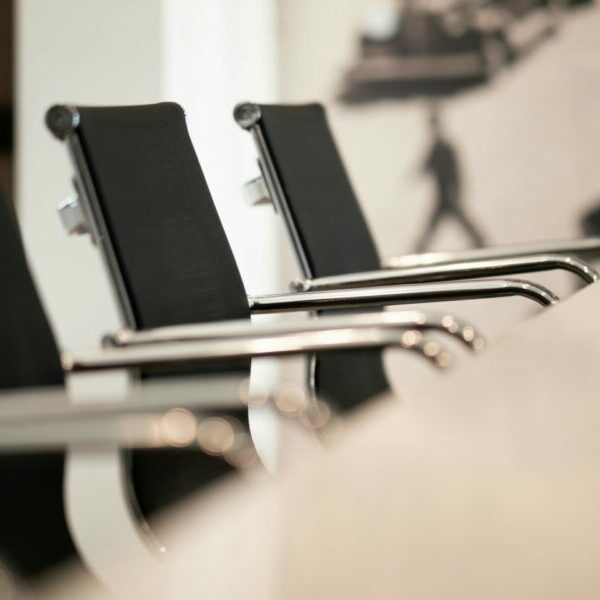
[(174, 428), (321, 340), (402, 294), (414, 341), (43, 418), (247, 114), (62, 120), (205, 392), (414, 319), (587, 248), (474, 269), (255, 192), (72, 217)]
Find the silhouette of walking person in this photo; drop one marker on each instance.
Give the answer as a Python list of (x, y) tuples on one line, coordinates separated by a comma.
[(443, 165)]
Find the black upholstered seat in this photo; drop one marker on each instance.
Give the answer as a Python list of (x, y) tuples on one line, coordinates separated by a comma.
[(333, 234), (33, 530), (170, 253)]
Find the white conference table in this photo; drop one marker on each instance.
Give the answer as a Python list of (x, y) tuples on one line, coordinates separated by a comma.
[(485, 483)]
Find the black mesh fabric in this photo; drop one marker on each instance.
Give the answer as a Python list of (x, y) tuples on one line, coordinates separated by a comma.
[(333, 232), (170, 244), (33, 531), (172, 251)]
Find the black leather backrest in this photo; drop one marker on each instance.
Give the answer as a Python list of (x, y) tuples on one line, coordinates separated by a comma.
[(174, 257), (30, 357), (172, 253), (332, 229)]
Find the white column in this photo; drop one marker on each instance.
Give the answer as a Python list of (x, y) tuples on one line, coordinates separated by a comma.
[(216, 54)]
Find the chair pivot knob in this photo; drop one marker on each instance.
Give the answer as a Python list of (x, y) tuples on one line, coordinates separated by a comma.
[(72, 217), (255, 192)]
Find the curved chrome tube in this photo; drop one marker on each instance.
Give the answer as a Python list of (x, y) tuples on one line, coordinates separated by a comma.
[(473, 269), (402, 294), (151, 414), (210, 350), (415, 319), (585, 247)]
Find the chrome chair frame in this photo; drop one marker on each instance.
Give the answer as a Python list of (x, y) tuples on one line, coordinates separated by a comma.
[(584, 248), (33, 420), (440, 267), (63, 123), (417, 320), (156, 349), (461, 270), (81, 214)]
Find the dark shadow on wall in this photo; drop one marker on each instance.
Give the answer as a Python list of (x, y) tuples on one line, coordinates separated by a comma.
[(442, 164)]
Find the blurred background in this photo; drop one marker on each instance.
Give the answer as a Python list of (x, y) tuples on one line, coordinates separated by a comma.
[(462, 122)]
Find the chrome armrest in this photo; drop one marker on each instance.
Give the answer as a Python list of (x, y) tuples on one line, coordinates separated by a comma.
[(152, 414), (402, 294), (419, 320), (322, 340), (473, 269), (587, 248)]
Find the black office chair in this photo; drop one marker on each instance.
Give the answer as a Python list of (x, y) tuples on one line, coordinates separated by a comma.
[(34, 533), (34, 536), (165, 272), (144, 200), (304, 177)]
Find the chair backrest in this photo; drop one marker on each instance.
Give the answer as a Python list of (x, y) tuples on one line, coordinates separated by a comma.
[(331, 227), (311, 189), (34, 536), (154, 213)]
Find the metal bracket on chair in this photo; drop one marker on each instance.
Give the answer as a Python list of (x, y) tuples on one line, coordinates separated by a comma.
[(72, 216), (255, 192)]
